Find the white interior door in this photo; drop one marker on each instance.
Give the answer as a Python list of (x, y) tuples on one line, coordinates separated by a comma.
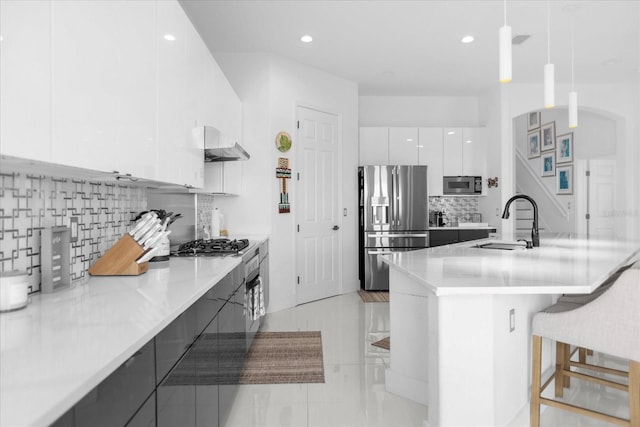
[(602, 221), (318, 243)]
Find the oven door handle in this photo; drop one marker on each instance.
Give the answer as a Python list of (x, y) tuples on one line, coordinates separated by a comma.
[(379, 252)]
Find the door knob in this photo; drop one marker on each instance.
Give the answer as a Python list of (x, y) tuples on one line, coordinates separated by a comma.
[(335, 227)]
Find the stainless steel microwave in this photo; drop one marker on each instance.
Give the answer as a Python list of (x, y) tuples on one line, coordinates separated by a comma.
[(462, 185)]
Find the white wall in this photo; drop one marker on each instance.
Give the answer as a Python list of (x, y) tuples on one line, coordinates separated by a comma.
[(490, 114), (271, 88), (418, 111)]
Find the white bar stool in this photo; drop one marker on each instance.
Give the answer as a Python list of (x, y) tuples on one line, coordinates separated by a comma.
[(607, 322)]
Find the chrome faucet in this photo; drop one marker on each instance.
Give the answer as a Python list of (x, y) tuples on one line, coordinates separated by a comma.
[(535, 238)]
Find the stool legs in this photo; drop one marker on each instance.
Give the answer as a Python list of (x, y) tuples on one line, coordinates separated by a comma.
[(536, 373), (634, 393), (563, 354)]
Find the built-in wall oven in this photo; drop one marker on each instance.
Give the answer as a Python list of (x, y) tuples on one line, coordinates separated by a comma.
[(255, 292), (255, 259)]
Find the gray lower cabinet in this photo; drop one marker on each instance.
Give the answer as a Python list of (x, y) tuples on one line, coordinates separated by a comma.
[(440, 237), (466, 235), (146, 415), (186, 376), (116, 399), (174, 340), (176, 396), (207, 385)]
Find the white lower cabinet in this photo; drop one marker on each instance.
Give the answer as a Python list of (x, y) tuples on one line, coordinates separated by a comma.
[(25, 79)]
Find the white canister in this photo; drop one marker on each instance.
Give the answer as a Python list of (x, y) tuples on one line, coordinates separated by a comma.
[(14, 290)]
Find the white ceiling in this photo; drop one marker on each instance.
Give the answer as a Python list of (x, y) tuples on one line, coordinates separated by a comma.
[(414, 48)]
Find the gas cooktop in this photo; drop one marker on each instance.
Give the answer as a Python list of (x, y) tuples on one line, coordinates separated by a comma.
[(211, 247)]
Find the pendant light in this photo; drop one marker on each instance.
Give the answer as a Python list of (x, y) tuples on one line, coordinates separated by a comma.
[(573, 95), (505, 49), (549, 85)]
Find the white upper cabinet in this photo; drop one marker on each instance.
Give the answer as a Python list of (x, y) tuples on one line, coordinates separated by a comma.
[(111, 86), (374, 146), (474, 161), (430, 153), (403, 146), (180, 74), (452, 152), (104, 86), (25, 79)]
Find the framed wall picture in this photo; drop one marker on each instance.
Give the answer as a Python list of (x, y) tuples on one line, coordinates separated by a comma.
[(548, 163), (564, 179), (564, 148), (533, 144), (533, 120), (548, 136)]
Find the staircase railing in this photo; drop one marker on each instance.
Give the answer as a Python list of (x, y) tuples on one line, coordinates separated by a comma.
[(551, 214)]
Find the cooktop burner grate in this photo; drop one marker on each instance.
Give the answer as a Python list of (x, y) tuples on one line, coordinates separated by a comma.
[(211, 247)]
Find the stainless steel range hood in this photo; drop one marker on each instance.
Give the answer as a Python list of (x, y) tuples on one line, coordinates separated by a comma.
[(218, 147)]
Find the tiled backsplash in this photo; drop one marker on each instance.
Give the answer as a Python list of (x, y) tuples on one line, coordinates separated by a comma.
[(455, 209), (28, 203), (205, 207)]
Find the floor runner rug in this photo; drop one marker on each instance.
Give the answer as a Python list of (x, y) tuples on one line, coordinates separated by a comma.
[(374, 296), (273, 358)]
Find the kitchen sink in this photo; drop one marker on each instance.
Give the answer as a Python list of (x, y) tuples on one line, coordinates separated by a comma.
[(505, 246)]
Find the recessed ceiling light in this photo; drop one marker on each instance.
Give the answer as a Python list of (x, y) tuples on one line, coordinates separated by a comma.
[(468, 141), (467, 39), (306, 38), (409, 139), (169, 37), (451, 132)]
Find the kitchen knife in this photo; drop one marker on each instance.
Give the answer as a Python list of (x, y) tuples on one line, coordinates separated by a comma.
[(141, 224), (154, 240), (147, 255), (154, 228), (145, 229)]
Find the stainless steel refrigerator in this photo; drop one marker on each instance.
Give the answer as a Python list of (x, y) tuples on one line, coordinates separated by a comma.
[(394, 216)]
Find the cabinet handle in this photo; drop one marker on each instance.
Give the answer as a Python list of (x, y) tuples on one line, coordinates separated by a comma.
[(132, 359)]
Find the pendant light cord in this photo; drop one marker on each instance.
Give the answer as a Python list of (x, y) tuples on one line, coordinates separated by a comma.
[(548, 31), (505, 13), (572, 54)]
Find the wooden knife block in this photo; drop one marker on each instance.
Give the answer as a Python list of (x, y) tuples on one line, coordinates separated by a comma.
[(120, 259)]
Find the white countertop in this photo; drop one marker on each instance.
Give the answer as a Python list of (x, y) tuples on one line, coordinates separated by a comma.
[(559, 265), (65, 343)]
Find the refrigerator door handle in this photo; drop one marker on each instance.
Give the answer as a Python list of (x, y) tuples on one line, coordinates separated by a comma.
[(396, 191)]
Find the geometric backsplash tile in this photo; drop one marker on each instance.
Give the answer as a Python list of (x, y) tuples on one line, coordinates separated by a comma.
[(29, 203), (455, 209)]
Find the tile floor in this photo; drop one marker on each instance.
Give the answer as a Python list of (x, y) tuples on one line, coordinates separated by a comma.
[(353, 394)]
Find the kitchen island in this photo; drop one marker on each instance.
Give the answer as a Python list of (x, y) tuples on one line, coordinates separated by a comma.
[(63, 344), (461, 316)]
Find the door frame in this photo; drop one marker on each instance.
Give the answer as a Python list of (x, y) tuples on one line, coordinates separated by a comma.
[(298, 196)]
